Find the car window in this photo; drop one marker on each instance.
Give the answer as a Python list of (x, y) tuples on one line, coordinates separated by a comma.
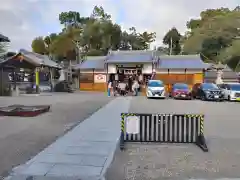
[(155, 84), (235, 87), (222, 86), (227, 87), (181, 86), (206, 86)]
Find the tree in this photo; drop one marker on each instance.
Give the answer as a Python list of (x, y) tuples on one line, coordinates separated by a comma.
[(99, 13), (95, 34), (215, 33), (147, 39), (2, 48), (71, 18), (64, 45), (163, 50), (215, 37), (172, 39), (39, 46)]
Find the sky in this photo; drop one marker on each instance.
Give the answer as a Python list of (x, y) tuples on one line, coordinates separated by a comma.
[(23, 20)]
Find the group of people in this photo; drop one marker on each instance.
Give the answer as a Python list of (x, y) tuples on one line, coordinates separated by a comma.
[(123, 88)]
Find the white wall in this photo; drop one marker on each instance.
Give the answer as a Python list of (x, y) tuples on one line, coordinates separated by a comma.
[(86, 71), (112, 69), (179, 71), (176, 71), (162, 71), (147, 68), (98, 71), (194, 71)]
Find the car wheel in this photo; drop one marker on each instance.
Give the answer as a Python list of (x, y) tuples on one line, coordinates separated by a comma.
[(203, 98), (229, 98)]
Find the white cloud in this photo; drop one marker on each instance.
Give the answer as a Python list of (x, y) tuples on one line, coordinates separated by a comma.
[(22, 20)]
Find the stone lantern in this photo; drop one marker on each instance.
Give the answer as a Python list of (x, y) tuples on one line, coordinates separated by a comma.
[(219, 68)]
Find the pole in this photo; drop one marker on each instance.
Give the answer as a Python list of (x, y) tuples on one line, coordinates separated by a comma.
[(171, 43), (70, 69), (37, 79)]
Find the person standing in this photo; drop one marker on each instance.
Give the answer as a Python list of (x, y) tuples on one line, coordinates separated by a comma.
[(109, 88), (130, 83), (135, 87), (122, 87)]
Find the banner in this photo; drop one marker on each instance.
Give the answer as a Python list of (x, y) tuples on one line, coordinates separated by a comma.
[(100, 78)]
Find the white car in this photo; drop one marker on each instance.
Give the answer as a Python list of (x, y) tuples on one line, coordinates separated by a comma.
[(231, 91), (155, 89)]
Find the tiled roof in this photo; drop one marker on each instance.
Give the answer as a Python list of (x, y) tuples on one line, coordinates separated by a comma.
[(226, 74), (38, 59), (224, 66), (182, 62), (138, 56), (4, 38), (92, 62)]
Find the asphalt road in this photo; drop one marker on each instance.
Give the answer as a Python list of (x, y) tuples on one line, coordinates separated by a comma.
[(178, 161), (23, 138)]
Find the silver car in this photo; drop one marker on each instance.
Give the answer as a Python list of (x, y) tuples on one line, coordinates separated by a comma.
[(155, 89), (231, 91)]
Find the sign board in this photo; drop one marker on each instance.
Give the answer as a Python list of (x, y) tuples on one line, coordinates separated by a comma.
[(132, 124), (100, 78)]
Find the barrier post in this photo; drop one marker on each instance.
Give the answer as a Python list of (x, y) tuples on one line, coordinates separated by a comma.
[(163, 128), (201, 142), (122, 131)]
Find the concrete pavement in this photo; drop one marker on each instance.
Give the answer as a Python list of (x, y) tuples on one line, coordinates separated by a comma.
[(84, 152), (22, 138), (184, 161)]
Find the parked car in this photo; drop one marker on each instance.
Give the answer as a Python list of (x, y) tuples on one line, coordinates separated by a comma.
[(231, 91), (155, 89), (181, 91), (208, 91)]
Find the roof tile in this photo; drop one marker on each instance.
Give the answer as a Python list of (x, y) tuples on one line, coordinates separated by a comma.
[(92, 62), (182, 62), (38, 58), (140, 56)]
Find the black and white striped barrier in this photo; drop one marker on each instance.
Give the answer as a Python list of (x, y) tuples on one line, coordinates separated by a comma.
[(166, 128)]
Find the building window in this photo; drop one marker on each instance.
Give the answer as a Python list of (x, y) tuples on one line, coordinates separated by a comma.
[(86, 78)]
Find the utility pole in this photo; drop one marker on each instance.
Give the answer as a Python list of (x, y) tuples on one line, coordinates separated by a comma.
[(171, 44)]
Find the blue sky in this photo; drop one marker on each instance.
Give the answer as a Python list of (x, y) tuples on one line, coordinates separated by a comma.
[(27, 19)]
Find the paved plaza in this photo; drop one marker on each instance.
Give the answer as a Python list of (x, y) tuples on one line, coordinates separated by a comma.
[(178, 161), (23, 138), (87, 151)]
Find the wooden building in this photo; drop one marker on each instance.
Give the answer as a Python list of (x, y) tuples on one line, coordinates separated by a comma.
[(95, 72), (92, 74), (187, 69), (32, 63)]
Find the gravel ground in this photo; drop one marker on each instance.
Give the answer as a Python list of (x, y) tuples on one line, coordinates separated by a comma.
[(22, 138), (178, 161)]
